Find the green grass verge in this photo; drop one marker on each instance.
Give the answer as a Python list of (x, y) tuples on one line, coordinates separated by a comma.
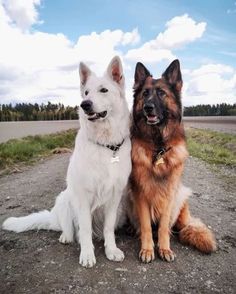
[(212, 147), (32, 148)]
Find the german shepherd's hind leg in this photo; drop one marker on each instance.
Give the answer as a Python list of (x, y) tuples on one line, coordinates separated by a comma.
[(194, 232), (164, 235), (146, 253)]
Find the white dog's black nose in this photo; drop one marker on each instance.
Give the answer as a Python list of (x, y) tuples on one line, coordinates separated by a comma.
[(87, 105)]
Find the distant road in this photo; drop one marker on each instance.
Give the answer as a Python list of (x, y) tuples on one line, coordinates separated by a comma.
[(14, 130), (225, 124)]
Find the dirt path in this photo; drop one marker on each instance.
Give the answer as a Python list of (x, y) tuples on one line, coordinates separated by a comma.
[(35, 262), (225, 124), (20, 129), (16, 130)]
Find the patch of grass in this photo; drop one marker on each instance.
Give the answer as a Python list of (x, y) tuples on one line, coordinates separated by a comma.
[(32, 148), (212, 147)]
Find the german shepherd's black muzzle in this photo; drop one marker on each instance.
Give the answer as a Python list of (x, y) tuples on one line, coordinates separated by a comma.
[(153, 111)]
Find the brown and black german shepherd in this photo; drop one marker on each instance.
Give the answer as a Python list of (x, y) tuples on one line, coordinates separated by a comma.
[(158, 156)]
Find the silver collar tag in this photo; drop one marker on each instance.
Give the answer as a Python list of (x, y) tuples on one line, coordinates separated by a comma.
[(115, 158)]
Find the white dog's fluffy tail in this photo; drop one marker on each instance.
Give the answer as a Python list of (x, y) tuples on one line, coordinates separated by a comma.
[(44, 220)]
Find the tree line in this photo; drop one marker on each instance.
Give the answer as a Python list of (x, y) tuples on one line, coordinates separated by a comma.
[(210, 110), (30, 112), (51, 111)]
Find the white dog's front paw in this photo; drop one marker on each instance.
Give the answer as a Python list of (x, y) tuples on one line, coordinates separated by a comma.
[(65, 239), (114, 254), (87, 258)]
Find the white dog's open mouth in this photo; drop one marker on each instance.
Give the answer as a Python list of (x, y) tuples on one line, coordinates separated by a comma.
[(96, 115)]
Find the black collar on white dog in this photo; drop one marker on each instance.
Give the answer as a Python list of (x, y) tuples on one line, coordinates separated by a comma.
[(115, 149)]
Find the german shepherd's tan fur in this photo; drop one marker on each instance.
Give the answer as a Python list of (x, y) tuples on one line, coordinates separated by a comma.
[(158, 156)]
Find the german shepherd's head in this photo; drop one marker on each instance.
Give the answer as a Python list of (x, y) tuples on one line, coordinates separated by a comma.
[(157, 102)]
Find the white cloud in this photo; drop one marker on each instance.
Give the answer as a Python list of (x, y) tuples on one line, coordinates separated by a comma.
[(210, 84), (212, 69), (148, 54), (131, 37), (98, 49), (22, 12), (37, 65), (180, 31)]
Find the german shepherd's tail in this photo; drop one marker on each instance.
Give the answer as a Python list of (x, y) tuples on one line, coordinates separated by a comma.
[(194, 232)]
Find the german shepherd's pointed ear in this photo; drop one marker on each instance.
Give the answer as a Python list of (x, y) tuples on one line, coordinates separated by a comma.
[(115, 71), (84, 73), (140, 76), (173, 75)]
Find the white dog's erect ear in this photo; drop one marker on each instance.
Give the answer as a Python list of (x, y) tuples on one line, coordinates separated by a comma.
[(84, 73), (115, 70)]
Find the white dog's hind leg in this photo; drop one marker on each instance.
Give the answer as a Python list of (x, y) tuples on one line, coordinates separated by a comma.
[(65, 217), (110, 212)]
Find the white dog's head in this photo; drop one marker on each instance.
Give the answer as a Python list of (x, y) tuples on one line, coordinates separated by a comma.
[(102, 96)]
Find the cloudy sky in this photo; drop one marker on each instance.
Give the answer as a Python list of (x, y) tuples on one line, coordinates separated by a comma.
[(42, 43)]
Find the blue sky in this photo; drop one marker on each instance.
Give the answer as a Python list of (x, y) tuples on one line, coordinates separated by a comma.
[(83, 17), (53, 36)]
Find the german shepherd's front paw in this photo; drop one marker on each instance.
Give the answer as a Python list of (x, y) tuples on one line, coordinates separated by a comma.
[(167, 254), (147, 255)]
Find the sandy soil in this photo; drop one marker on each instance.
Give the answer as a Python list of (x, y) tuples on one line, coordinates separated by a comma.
[(35, 262)]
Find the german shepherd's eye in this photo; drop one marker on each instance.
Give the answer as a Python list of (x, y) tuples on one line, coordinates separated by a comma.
[(103, 90), (86, 92), (146, 93), (160, 93)]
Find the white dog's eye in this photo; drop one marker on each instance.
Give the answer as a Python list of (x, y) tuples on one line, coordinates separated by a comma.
[(86, 92), (103, 90)]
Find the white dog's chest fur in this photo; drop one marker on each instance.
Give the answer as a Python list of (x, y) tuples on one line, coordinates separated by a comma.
[(100, 177)]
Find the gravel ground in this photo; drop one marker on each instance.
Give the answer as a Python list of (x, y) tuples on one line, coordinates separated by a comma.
[(35, 262)]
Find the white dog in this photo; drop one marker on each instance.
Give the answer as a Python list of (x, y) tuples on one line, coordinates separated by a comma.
[(98, 171)]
